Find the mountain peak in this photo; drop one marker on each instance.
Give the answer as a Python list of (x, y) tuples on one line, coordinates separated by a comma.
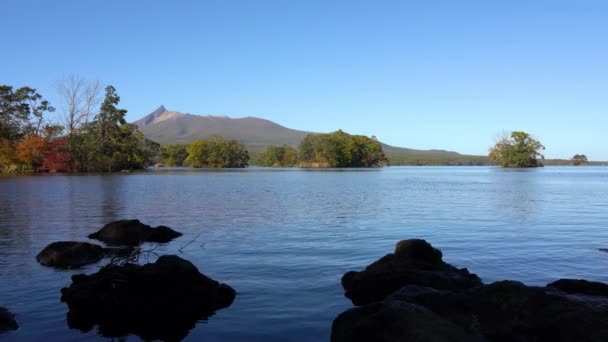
[(157, 115), (160, 109)]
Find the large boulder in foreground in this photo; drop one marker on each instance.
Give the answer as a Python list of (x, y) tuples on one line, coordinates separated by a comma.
[(70, 254), (415, 262), (161, 300), (396, 321), (501, 311), (429, 310), (7, 321), (133, 232)]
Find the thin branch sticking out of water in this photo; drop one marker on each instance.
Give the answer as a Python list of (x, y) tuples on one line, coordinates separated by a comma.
[(181, 249)]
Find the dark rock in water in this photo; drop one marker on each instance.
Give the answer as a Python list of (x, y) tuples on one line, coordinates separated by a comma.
[(133, 232), (70, 254), (501, 311), (565, 310), (396, 321), (161, 234), (605, 250), (7, 321), (415, 262), (581, 286), (161, 300)]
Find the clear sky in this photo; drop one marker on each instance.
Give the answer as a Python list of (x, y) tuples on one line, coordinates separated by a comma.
[(419, 74)]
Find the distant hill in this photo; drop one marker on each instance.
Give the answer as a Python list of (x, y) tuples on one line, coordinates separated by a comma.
[(169, 127)]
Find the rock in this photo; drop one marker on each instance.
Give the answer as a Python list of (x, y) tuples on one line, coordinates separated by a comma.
[(70, 254), (396, 321), (415, 262), (429, 310), (161, 300), (133, 232), (501, 311), (581, 286), (605, 250), (7, 321)]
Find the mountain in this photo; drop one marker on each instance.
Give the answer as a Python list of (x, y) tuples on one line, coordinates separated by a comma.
[(170, 127)]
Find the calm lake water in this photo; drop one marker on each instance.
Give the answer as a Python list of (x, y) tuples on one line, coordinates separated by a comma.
[(283, 238)]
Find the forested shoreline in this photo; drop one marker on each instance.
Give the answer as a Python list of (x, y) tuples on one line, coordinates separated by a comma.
[(87, 140), (92, 135)]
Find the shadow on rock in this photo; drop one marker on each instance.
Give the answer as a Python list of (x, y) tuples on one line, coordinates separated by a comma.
[(7, 321), (133, 232), (161, 300), (565, 310)]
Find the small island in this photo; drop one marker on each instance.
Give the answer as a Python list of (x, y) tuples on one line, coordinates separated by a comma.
[(517, 150)]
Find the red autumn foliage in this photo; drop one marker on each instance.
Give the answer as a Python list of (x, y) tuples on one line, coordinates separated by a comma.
[(58, 158)]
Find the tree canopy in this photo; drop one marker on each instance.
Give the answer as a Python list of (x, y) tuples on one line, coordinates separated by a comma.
[(216, 152), (173, 155), (340, 149), (580, 159), (519, 149), (279, 156), (106, 143)]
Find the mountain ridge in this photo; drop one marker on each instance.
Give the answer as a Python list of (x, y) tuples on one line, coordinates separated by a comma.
[(171, 127)]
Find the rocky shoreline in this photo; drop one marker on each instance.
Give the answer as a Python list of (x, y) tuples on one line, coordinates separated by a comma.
[(408, 295)]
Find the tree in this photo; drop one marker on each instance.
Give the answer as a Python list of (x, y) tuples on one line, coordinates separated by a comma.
[(80, 97), (32, 151), (580, 159), (109, 143), (216, 152), (21, 112), (519, 149), (279, 156), (340, 149), (173, 155)]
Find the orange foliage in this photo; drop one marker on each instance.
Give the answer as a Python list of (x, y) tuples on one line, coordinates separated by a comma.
[(7, 153), (32, 150)]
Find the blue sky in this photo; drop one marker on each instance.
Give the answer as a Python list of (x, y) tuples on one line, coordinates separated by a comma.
[(419, 74)]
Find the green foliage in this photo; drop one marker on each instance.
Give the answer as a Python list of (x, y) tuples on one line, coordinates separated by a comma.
[(278, 156), (216, 152), (580, 159), (518, 150), (340, 149), (21, 112), (173, 155), (109, 143)]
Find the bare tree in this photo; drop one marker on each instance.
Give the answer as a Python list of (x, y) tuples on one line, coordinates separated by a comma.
[(80, 98)]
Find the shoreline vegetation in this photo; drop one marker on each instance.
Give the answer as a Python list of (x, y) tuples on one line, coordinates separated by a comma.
[(93, 136)]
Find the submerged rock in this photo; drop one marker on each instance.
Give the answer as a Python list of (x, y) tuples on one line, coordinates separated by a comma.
[(415, 262), (565, 310), (133, 232), (70, 254), (7, 321), (161, 300)]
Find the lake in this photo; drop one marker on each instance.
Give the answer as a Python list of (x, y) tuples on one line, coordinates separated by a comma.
[(283, 238)]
